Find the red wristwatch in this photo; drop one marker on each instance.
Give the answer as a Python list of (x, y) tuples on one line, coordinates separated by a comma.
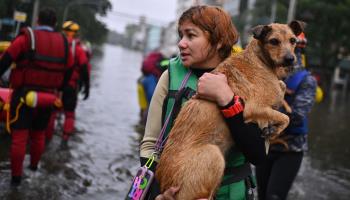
[(233, 109)]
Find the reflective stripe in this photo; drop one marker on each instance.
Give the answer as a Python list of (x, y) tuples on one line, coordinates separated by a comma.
[(74, 44), (32, 38)]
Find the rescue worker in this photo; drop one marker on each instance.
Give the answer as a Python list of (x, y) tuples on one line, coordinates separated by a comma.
[(80, 72), (276, 176), (300, 50), (42, 59)]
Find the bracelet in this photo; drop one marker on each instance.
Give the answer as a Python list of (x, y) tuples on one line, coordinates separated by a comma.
[(234, 109)]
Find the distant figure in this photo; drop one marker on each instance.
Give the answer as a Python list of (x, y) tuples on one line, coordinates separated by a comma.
[(42, 59), (153, 66), (275, 177), (80, 72)]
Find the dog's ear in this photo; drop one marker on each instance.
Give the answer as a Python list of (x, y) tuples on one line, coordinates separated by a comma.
[(260, 31), (297, 26)]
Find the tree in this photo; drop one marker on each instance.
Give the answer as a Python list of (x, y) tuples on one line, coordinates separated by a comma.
[(328, 29), (84, 14)]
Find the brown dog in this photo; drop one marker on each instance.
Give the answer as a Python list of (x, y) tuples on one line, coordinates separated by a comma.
[(193, 157)]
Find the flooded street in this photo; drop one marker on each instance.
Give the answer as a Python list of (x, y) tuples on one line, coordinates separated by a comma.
[(103, 154), (325, 171)]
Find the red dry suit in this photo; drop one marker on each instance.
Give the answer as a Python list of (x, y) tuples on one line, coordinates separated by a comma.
[(70, 91), (42, 57)]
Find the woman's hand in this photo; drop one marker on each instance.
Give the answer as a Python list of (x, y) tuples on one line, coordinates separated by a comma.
[(169, 194), (214, 87)]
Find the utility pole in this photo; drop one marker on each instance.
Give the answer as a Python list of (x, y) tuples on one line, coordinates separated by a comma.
[(36, 5), (248, 21), (291, 10), (273, 11)]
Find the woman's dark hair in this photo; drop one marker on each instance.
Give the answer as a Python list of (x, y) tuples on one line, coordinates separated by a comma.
[(216, 23), (47, 16)]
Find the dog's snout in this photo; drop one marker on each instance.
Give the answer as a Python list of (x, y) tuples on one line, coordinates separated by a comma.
[(289, 60)]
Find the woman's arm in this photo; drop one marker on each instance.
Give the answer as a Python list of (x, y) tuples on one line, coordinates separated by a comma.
[(154, 118), (247, 136)]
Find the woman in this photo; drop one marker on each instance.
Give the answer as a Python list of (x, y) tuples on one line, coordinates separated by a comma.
[(206, 37), (276, 176)]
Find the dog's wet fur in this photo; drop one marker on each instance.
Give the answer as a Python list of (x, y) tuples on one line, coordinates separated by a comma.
[(193, 157)]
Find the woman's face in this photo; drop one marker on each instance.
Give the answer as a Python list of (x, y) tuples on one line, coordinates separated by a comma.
[(195, 50)]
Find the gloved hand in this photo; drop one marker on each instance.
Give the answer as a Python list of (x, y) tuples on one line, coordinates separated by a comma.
[(86, 91), (85, 80)]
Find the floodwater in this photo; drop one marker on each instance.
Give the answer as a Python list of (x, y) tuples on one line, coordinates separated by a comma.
[(103, 154)]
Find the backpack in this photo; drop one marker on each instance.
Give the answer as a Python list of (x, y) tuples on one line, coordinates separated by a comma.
[(150, 64)]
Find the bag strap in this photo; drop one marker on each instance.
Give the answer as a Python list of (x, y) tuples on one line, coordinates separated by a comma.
[(160, 142), (32, 38), (237, 173)]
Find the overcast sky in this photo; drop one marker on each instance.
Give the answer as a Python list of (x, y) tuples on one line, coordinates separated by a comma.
[(158, 12)]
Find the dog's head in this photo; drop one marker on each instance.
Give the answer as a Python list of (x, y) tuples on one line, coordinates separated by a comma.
[(278, 42)]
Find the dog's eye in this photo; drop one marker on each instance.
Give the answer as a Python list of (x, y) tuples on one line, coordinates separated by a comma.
[(293, 41), (274, 41)]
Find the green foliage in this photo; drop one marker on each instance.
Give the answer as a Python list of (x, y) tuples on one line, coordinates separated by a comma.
[(6, 8), (328, 29), (261, 12), (83, 12)]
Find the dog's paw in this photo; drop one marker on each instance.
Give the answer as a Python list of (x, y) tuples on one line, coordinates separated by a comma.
[(269, 131)]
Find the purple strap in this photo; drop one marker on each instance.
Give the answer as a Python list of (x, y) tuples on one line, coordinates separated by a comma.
[(160, 142)]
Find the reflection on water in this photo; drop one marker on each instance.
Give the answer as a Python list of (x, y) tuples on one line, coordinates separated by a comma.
[(103, 154)]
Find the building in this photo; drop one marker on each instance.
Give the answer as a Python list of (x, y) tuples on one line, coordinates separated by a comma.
[(153, 38), (170, 36), (169, 40), (138, 41)]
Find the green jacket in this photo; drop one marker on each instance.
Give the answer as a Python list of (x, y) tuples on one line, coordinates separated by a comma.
[(230, 189)]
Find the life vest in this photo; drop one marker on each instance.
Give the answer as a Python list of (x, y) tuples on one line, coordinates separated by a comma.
[(45, 64), (73, 73), (293, 82), (177, 73), (231, 188)]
